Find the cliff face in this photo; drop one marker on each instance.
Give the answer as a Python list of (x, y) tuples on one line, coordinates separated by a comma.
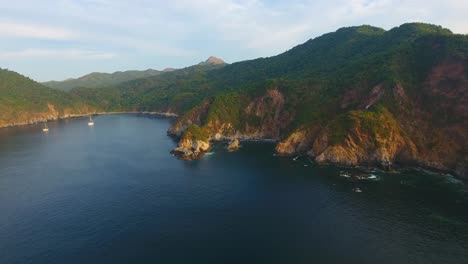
[(428, 127), (222, 119), (27, 118), (370, 138), (380, 126)]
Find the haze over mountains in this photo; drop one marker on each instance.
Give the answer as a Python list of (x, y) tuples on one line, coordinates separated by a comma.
[(357, 96)]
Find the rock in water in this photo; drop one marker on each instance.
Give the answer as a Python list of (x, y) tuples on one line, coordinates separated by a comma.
[(233, 145), (191, 149)]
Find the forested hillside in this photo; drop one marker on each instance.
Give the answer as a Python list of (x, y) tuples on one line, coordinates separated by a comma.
[(24, 101), (357, 96), (99, 80), (360, 95)]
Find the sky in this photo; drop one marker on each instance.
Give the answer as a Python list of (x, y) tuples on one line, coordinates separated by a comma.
[(55, 40)]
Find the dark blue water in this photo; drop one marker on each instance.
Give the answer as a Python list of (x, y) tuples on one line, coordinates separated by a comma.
[(113, 194)]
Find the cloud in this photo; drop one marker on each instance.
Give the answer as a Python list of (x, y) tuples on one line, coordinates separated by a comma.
[(70, 54), (156, 33), (19, 30)]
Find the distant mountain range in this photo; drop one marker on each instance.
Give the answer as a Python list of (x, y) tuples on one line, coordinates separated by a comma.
[(99, 80), (358, 96)]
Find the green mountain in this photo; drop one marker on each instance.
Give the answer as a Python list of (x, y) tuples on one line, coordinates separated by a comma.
[(24, 101), (173, 91), (357, 96), (99, 80)]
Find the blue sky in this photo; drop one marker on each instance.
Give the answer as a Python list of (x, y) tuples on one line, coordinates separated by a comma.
[(55, 40)]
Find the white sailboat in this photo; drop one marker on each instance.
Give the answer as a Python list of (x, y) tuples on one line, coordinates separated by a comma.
[(45, 128), (91, 122)]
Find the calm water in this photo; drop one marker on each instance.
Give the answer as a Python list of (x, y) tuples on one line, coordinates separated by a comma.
[(113, 194)]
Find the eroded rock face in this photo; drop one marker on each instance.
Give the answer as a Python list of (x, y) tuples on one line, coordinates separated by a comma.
[(365, 144), (189, 149), (51, 113), (299, 141), (269, 110), (409, 131), (194, 116), (233, 145)]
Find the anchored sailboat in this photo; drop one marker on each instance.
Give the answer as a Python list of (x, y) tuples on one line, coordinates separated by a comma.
[(45, 128), (91, 122)]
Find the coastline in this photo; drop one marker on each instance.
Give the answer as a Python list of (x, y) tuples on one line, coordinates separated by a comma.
[(71, 116), (399, 165)]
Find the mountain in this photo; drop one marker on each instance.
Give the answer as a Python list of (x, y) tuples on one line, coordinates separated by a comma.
[(173, 91), (99, 80), (212, 60), (24, 101), (358, 96)]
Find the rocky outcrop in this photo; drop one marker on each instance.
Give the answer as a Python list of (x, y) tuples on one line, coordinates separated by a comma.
[(189, 149), (233, 145), (358, 138), (262, 117), (299, 141), (195, 116), (213, 61)]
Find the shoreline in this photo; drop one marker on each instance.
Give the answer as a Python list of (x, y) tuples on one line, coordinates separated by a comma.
[(398, 165), (72, 116)]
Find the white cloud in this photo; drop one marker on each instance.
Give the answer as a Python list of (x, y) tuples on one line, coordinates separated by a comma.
[(71, 54), (10, 29), (157, 33)]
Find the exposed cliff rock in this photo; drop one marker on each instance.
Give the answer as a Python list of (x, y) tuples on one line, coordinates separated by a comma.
[(299, 141), (266, 116), (49, 113), (231, 117), (373, 138), (195, 116), (233, 145), (213, 60), (403, 104), (189, 149)]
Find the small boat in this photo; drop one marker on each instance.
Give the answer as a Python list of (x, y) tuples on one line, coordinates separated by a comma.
[(345, 174), (358, 190), (45, 128), (295, 158), (91, 122)]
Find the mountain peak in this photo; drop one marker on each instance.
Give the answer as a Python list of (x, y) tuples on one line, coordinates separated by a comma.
[(169, 69), (213, 60)]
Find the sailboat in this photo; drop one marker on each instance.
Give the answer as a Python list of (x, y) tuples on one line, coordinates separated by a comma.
[(45, 128), (91, 122)]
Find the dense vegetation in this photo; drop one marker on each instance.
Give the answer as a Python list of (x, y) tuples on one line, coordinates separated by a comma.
[(177, 91), (361, 79), (21, 98), (313, 75), (99, 80)]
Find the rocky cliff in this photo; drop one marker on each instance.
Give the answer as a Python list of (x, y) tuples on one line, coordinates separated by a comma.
[(384, 125), (51, 113)]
